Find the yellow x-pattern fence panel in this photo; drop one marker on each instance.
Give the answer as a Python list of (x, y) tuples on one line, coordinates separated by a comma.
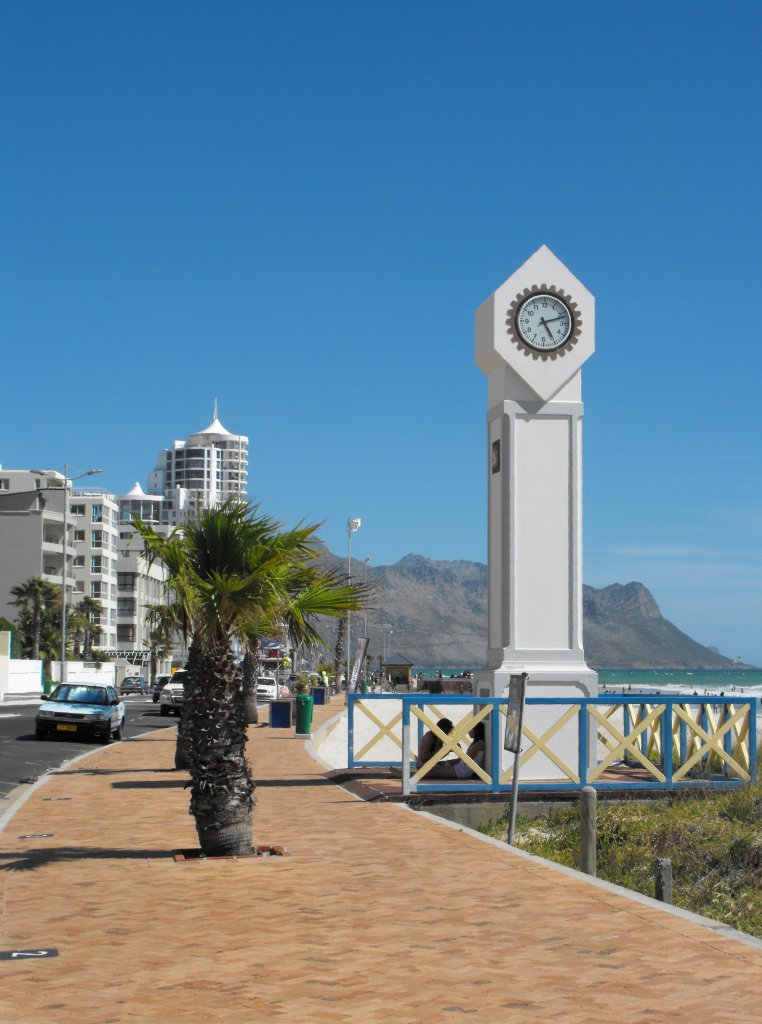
[(384, 728), (708, 742), (450, 741), (541, 744), (687, 750), (620, 745)]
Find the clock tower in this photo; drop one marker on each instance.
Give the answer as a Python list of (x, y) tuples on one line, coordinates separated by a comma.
[(532, 338)]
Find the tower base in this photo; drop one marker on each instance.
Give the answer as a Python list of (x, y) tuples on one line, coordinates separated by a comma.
[(550, 745)]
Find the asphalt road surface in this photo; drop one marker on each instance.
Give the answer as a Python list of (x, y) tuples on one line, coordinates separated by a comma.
[(23, 758)]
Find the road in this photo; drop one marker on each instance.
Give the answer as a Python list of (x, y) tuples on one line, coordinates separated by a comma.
[(23, 758)]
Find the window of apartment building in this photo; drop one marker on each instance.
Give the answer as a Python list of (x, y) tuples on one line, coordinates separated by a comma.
[(79, 536), (96, 564), (96, 513), (126, 580), (96, 590), (125, 634), (77, 510), (96, 538), (79, 586), (126, 606), (5, 483), (79, 561)]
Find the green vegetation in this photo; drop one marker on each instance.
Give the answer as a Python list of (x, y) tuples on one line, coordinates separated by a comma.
[(714, 841)]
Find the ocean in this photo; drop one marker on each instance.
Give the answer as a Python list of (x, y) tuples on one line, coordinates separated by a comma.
[(714, 681)]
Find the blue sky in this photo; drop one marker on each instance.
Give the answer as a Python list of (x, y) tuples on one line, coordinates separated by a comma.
[(297, 207)]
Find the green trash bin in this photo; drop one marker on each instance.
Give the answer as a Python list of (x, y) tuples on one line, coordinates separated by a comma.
[(303, 714)]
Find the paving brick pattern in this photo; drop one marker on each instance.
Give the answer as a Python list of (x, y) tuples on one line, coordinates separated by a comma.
[(379, 916)]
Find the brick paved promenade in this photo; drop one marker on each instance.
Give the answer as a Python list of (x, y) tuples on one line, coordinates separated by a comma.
[(381, 915)]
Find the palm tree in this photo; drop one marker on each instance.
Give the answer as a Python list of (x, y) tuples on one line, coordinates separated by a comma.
[(89, 607), (161, 620), (235, 574), (76, 623), (338, 651), (37, 598)]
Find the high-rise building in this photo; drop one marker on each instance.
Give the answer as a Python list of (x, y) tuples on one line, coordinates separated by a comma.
[(201, 472)]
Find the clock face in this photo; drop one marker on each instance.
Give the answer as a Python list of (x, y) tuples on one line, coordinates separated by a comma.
[(544, 322)]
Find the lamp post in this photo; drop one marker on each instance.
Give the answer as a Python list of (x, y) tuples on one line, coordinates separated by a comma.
[(352, 526), (67, 480), (365, 616), (365, 607)]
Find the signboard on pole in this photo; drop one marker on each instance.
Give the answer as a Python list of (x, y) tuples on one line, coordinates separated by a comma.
[(513, 725), (361, 649), (513, 718)]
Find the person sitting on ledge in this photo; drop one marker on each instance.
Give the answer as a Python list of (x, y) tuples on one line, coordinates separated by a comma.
[(457, 769), (431, 743)]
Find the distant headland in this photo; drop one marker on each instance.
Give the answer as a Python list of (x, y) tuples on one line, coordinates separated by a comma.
[(435, 613)]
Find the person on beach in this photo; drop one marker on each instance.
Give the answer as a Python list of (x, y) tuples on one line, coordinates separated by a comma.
[(431, 743)]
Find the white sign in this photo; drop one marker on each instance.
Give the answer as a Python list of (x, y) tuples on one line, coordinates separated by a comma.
[(361, 649)]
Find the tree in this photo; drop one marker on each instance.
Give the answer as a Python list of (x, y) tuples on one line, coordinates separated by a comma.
[(89, 608), (338, 651), (39, 602), (75, 627), (235, 574), (161, 621)]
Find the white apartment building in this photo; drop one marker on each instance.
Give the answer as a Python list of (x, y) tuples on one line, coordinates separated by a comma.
[(96, 534), (138, 584), (104, 555), (201, 472), (31, 541)]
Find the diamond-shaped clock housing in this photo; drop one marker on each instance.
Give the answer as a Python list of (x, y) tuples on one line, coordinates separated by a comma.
[(497, 342)]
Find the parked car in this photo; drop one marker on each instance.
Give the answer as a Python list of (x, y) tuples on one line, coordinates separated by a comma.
[(133, 684), (81, 709), (267, 688), (172, 695), (159, 685)]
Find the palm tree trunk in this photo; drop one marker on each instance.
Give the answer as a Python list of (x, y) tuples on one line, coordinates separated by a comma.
[(183, 748), (222, 790), (249, 673), (36, 629)]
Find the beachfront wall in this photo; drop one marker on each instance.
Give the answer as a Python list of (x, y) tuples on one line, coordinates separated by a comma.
[(643, 742)]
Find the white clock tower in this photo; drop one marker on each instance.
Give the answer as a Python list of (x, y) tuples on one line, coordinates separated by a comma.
[(532, 337)]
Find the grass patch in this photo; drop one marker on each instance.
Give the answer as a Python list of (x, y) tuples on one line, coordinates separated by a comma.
[(714, 841)]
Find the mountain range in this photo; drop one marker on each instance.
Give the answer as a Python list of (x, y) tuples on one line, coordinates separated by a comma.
[(434, 613)]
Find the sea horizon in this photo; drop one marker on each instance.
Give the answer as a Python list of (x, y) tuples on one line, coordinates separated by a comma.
[(643, 678)]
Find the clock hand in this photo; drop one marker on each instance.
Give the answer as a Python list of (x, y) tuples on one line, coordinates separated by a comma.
[(561, 317), (544, 324)]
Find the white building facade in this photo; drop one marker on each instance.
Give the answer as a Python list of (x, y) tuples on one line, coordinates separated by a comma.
[(201, 472)]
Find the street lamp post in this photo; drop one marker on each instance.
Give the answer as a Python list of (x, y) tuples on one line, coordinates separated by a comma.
[(67, 480), (352, 526), (365, 607), (365, 613)]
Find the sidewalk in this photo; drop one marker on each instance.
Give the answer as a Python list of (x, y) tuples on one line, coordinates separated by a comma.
[(380, 915)]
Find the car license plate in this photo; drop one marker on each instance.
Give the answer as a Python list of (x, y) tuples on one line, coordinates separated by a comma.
[(66, 728)]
